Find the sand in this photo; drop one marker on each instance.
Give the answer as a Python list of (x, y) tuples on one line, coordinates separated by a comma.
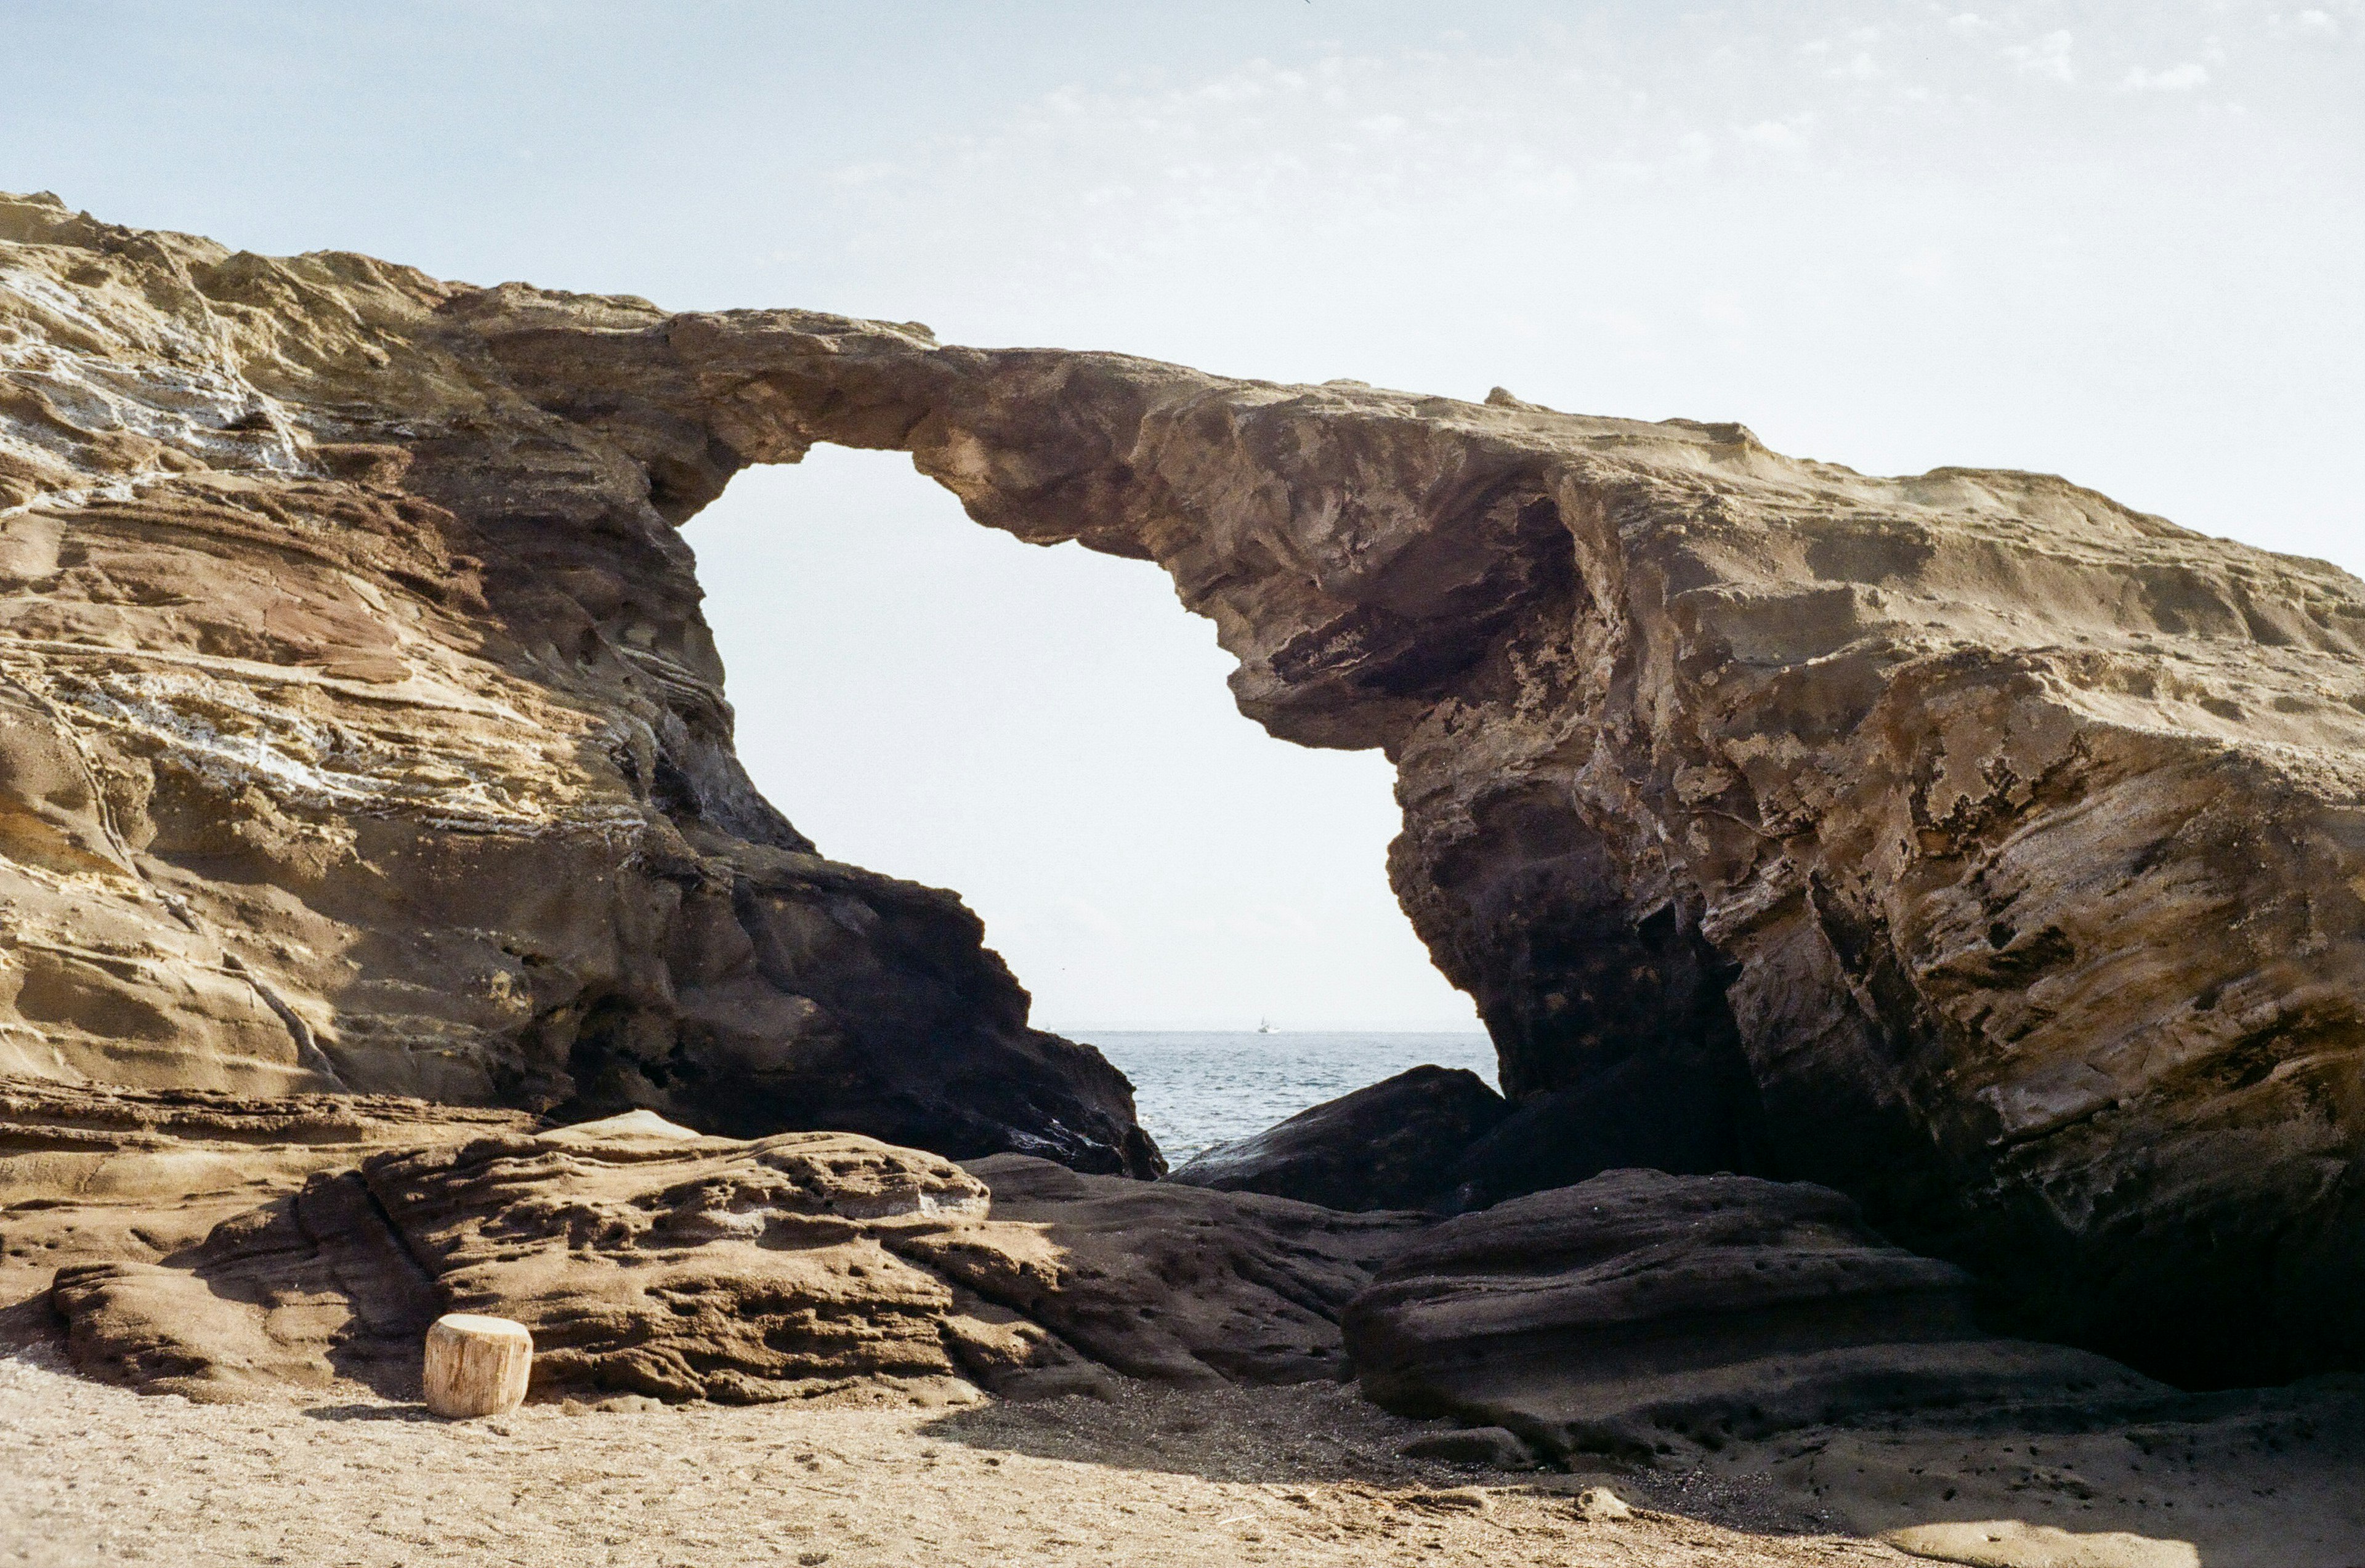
[(1148, 1476)]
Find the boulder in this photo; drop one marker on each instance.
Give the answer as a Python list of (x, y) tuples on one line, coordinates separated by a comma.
[(1481, 1447), (1393, 1145), (1641, 1314)]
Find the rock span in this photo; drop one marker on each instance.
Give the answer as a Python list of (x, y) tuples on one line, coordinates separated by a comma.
[(1967, 843)]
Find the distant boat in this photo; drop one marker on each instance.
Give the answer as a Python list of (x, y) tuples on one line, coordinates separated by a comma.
[(1264, 1026)]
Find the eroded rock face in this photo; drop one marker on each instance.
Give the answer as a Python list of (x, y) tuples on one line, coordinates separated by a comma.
[(1640, 1313), (359, 730), (648, 1259), (1967, 843)]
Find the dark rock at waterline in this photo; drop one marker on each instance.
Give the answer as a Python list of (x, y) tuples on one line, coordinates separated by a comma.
[(1638, 1311), (1657, 1112), (1392, 1145)]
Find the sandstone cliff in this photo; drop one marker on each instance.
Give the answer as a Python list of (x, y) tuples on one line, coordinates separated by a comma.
[(359, 730), (1967, 843)]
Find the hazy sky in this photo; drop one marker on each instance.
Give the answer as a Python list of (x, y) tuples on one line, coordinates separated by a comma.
[(2117, 241)]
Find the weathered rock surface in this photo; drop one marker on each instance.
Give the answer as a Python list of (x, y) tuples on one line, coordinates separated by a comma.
[(205, 1245), (1639, 1312), (1967, 843), (1174, 1283), (1391, 1144), (649, 1260), (359, 730)]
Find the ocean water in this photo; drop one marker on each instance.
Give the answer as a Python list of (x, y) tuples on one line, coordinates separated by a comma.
[(1193, 1091)]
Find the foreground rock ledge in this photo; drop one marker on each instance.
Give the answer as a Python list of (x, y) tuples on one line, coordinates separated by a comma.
[(647, 1259), (1967, 843)]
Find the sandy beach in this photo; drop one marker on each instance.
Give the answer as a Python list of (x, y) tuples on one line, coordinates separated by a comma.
[(1147, 1475)]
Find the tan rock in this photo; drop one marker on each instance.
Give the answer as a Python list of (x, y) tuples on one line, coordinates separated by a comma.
[(1966, 842), (477, 1365), (644, 1259), (359, 731)]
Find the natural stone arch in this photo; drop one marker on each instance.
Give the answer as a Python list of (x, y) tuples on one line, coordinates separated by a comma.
[(1898, 825), (363, 733)]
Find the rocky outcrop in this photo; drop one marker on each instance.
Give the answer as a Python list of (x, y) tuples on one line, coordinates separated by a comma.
[(1172, 1284), (648, 1259), (1392, 1145), (1639, 1313), (1967, 843), (359, 730)]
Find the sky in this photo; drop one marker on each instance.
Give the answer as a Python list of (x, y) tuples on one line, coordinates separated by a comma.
[(2117, 241)]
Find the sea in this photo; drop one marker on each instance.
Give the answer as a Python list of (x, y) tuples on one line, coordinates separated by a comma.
[(1195, 1091)]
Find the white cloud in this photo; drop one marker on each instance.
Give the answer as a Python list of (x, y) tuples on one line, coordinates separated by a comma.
[(2175, 79), (1968, 23), (2048, 56)]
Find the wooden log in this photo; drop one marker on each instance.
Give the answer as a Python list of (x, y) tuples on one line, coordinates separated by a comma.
[(476, 1366)]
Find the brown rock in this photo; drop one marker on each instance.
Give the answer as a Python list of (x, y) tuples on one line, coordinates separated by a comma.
[(646, 1258), (1966, 842), (1175, 1283), (1640, 1314), (359, 731)]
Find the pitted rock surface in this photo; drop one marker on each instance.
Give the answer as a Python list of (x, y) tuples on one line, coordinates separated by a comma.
[(649, 1260), (1968, 841), (359, 731)]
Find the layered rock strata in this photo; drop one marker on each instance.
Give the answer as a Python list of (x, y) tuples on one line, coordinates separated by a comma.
[(1969, 843), (359, 730), (648, 1259), (1640, 1313)]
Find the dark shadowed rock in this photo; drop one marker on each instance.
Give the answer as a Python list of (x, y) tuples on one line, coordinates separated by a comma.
[(1485, 1448), (1637, 1312), (1684, 1114), (1393, 1145)]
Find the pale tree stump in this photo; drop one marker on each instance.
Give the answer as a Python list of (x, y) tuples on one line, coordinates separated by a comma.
[(476, 1366)]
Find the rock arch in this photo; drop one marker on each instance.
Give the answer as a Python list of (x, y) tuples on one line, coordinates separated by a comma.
[(1968, 841)]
